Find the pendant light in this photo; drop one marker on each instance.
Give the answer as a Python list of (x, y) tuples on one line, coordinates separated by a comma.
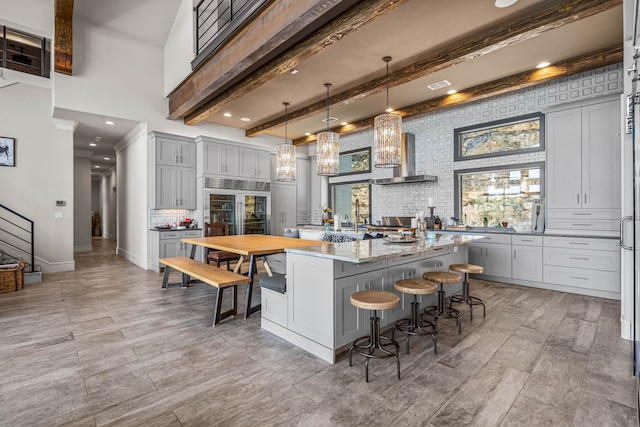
[(328, 148), (286, 155), (387, 134)]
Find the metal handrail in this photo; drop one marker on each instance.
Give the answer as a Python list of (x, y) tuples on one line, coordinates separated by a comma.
[(30, 233)]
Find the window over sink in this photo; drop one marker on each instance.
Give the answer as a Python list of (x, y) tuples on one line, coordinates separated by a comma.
[(499, 194)]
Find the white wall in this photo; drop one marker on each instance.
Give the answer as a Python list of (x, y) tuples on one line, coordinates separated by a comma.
[(82, 202), (108, 204), (43, 172), (95, 197), (179, 49)]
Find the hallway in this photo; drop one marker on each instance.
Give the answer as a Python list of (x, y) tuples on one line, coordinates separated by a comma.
[(104, 345)]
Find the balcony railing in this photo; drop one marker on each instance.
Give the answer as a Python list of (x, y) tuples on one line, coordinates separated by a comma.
[(16, 238), (216, 21), (24, 52)]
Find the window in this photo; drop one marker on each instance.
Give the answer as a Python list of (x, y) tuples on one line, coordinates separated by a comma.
[(24, 52), (499, 194), (356, 161), (344, 197)]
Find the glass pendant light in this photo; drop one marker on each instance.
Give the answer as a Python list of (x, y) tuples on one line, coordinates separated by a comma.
[(328, 148), (387, 134), (286, 155)]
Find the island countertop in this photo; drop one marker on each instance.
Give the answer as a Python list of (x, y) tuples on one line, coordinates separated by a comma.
[(360, 251)]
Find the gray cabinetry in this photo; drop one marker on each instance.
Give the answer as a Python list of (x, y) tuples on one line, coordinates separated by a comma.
[(583, 167), (494, 254), (175, 187), (174, 150), (283, 207), (167, 244), (254, 163), (527, 258), (303, 182)]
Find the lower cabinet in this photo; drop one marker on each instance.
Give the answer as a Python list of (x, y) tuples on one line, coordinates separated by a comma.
[(168, 244), (527, 258), (495, 258)]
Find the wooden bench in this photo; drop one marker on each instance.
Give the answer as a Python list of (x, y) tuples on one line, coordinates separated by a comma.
[(208, 274)]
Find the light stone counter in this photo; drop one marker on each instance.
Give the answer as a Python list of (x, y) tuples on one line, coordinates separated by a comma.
[(360, 251)]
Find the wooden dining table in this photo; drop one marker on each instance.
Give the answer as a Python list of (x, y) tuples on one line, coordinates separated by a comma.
[(252, 246)]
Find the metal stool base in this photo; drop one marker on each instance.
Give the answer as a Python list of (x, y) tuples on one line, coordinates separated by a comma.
[(468, 299), (415, 325), (372, 347), (441, 310)]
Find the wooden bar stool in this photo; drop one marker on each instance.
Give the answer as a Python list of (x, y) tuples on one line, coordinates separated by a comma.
[(373, 347), (465, 297), (441, 310), (415, 324)]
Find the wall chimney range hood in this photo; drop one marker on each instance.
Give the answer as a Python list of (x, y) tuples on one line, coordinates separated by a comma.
[(405, 173)]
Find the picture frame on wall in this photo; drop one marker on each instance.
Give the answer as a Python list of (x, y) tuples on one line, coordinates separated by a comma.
[(7, 151), (504, 137)]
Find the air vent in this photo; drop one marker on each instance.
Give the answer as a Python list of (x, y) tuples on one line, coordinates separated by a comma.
[(439, 85), (329, 120)]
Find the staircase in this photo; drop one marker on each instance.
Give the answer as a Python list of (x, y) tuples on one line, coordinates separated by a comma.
[(16, 243)]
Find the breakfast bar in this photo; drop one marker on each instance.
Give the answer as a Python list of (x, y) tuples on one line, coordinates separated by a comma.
[(315, 314)]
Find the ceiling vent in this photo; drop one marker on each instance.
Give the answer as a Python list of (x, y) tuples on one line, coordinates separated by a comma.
[(439, 85)]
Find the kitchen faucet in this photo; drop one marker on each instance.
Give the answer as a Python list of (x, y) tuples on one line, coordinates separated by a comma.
[(357, 216)]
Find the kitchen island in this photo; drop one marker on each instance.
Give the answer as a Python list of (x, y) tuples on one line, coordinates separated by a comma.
[(315, 313)]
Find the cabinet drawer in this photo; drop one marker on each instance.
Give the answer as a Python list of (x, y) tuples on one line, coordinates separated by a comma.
[(404, 259), (170, 235), (191, 233), (581, 243), (527, 240), (583, 224), (274, 306), (583, 259), (495, 238), (584, 215), (580, 278), (344, 269)]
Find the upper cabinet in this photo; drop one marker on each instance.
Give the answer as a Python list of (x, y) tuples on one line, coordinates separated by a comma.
[(174, 171), (583, 167), (173, 150), (230, 160)]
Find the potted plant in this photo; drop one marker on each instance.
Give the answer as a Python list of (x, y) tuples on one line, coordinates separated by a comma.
[(96, 223)]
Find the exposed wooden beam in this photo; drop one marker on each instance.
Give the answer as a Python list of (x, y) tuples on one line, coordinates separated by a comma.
[(571, 66), (496, 38), (337, 28), (63, 37)]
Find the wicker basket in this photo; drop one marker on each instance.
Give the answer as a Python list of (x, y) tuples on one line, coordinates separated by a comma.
[(11, 277)]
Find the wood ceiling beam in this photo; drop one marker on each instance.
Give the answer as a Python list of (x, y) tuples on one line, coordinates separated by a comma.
[(498, 37), (346, 23), (63, 37), (579, 64)]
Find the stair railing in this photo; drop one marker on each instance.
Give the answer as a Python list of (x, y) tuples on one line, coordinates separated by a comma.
[(16, 237)]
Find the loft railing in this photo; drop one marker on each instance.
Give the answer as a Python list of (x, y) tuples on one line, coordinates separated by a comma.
[(24, 52), (16, 238), (216, 21)]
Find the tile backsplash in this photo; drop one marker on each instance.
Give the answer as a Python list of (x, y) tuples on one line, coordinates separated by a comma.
[(434, 139), (168, 216)]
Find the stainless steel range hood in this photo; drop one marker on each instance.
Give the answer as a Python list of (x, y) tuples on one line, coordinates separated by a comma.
[(405, 173)]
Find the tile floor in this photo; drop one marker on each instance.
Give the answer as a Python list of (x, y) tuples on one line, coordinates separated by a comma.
[(104, 345)]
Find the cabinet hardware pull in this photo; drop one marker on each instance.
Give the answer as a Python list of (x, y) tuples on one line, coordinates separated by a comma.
[(514, 254), (578, 277), (581, 225), (622, 244), (527, 240), (581, 213), (585, 198), (578, 198), (579, 243), (578, 258)]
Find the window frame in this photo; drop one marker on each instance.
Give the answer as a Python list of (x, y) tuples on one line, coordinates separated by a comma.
[(358, 150), (457, 191), (332, 194), (497, 124)]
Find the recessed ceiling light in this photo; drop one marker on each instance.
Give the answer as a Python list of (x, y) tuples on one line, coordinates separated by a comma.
[(543, 64), (97, 139), (107, 158), (245, 119), (93, 144), (109, 122), (389, 110), (505, 3), (307, 134), (227, 114), (451, 91), (97, 166), (344, 123), (294, 71)]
